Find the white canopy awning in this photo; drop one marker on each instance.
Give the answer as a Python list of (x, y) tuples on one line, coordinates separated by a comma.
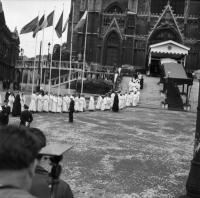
[(169, 47)]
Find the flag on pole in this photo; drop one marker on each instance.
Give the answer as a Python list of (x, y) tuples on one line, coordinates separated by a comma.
[(65, 26), (40, 25), (59, 25), (30, 26), (81, 22), (49, 20)]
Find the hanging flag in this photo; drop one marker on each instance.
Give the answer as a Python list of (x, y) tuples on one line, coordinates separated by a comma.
[(59, 25), (49, 19), (65, 26), (40, 25), (30, 26), (81, 23)]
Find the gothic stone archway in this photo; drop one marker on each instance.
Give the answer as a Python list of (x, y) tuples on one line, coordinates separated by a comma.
[(111, 52), (162, 34)]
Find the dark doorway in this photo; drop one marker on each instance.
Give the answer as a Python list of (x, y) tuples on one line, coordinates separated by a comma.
[(155, 68), (112, 50)]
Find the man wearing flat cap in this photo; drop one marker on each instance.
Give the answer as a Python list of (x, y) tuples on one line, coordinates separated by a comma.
[(26, 117)]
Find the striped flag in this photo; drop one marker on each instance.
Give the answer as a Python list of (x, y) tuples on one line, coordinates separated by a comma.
[(81, 22), (30, 26), (40, 25), (59, 25)]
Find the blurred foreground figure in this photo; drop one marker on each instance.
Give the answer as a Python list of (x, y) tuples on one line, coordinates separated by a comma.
[(40, 184), (18, 151)]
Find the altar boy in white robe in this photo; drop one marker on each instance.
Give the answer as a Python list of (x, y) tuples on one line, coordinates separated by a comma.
[(64, 104), (99, 101), (91, 104), (39, 103), (59, 104), (33, 103), (46, 103), (54, 103)]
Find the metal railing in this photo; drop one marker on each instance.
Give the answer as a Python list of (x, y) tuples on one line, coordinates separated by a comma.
[(29, 64)]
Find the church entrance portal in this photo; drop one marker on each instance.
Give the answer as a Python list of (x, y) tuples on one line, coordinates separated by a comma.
[(160, 35), (112, 50)]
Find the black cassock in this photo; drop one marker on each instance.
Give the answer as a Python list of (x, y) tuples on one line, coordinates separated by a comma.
[(71, 110), (7, 95), (26, 118), (16, 106), (115, 107), (4, 115)]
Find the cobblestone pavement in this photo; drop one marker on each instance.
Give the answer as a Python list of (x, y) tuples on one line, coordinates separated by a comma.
[(138, 152)]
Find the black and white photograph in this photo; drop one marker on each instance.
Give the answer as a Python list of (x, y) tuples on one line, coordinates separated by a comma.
[(99, 98)]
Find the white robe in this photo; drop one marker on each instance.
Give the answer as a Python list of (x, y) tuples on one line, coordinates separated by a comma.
[(22, 101), (39, 103), (46, 103), (120, 101), (134, 100), (59, 105), (50, 102), (80, 104), (54, 104), (91, 104), (99, 102), (76, 104), (11, 100), (128, 101), (64, 104), (33, 103), (103, 105)]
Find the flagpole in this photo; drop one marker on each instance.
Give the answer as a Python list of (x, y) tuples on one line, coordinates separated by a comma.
[(60, 56), (52, 43), (60, 65), (71, 48), (33, 80), (42, 64), (85, 47)]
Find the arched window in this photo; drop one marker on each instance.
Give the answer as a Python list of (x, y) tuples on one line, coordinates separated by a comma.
[(114, 8)]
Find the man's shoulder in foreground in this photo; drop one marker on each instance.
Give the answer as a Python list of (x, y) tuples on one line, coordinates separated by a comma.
[(14, 193)]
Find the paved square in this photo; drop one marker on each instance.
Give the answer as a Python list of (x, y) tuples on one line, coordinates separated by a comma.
[(138, 152)]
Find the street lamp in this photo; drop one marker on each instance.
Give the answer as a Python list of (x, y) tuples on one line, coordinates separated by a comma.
[(193, 182)]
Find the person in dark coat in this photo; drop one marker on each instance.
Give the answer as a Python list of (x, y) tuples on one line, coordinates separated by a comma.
[(4, 114), (7, 95), (16, 106), (71, 109), (40, 183), (26, 117), (115, 107)]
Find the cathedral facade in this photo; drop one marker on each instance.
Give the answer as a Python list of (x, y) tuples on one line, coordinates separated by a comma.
[(9, 49), (120, 31)]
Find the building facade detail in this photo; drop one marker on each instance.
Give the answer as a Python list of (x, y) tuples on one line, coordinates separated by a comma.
[(121, 31)]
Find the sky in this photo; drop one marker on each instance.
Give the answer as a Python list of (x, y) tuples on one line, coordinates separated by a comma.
[(20, 12)]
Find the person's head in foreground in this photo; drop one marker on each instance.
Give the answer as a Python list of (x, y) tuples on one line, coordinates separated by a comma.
[(18, 152)]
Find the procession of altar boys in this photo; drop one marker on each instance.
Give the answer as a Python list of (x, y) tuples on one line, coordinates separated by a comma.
[(44, 102)]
